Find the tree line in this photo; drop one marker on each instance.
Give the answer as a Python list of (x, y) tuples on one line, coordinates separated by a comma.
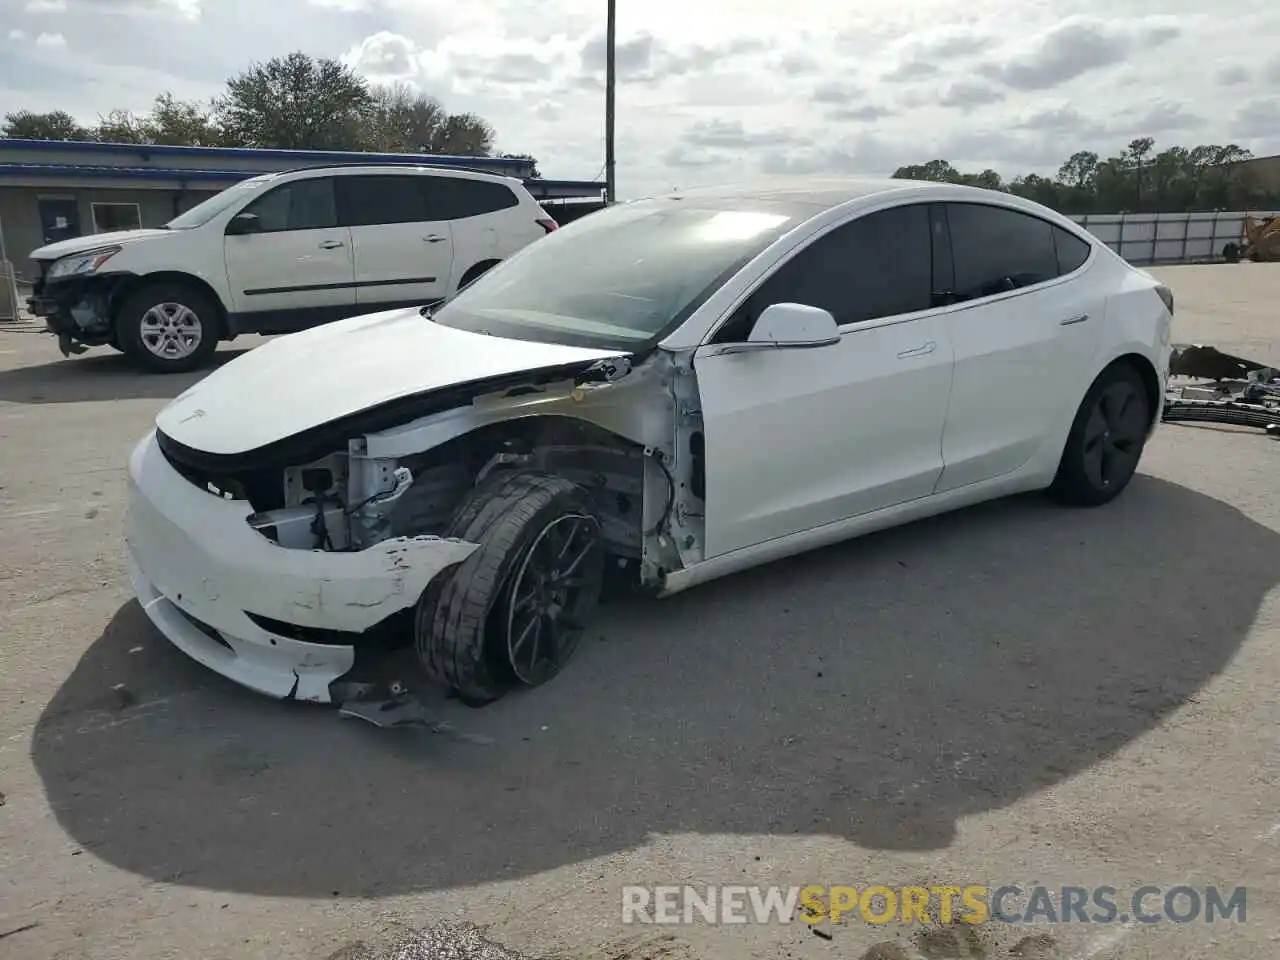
[(293, 102), (1136, 180)]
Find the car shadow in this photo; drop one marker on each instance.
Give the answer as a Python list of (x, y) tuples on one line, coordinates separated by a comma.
[(877, 691), (103, 376)]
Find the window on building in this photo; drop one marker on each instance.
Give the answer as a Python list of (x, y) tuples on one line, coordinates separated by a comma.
[(116, 216)]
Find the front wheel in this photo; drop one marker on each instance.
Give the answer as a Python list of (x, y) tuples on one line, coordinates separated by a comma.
[(1106, 440), (514, 611), (167, 328)]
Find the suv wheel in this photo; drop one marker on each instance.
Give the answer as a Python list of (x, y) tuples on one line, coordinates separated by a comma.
[(168, 328)]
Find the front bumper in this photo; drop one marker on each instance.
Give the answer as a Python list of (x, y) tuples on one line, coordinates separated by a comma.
[(199, 570)]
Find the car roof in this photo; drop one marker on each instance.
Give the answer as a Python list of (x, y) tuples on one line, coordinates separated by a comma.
[(817, 192)]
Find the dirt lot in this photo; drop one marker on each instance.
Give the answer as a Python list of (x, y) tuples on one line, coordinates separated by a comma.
[(1014, 694)]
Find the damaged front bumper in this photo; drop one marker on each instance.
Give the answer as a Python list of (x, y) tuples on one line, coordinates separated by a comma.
[(238, 602), (77, 310)]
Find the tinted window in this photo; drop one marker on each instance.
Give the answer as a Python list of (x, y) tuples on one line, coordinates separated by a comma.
[(453, 198), (1072, 251), (997, 250), (300, 205), (879, 265), (366, 201)]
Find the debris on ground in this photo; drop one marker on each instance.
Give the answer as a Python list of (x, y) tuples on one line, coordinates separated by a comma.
[(1231, 390), (444, 941), (396, 706)]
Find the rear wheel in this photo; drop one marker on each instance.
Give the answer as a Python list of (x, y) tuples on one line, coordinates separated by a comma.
[(168, 328), (513, 612), (1106, 440)]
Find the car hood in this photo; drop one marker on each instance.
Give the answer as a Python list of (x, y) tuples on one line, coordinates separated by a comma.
[(302, 381), (95, 241)]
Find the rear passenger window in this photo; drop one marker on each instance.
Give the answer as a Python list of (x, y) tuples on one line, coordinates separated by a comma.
[(365, 201), (1072, 251), (454, 198), (996, 250), (880, 265)]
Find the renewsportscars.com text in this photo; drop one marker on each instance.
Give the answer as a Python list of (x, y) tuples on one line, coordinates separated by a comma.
[(972, 904)]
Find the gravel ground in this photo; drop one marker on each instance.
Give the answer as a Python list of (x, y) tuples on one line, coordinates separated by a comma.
[(1014, 693)]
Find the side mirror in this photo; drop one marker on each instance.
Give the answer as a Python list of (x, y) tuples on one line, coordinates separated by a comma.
[(795, 325), (243, 223), (783, 326)]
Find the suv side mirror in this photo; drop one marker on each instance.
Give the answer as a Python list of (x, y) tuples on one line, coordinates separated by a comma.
[(243, 223)]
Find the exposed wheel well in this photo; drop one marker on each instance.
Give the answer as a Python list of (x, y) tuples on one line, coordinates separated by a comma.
[(1150, 381), (132, 285), (609, 467), (475, 270)]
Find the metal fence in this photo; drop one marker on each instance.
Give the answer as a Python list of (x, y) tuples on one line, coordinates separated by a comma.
[(1146, 239)]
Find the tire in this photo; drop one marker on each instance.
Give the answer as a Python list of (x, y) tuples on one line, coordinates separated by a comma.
[(474, 631), (1114, 419), (142, 334)]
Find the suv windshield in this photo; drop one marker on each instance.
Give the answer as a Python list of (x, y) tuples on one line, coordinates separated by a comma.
[(616, 278), (206, 210)]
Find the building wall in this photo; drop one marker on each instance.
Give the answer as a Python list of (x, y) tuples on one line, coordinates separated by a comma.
[(20, 213)]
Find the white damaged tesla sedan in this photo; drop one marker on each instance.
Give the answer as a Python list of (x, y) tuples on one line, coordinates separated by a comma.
[(676, 388)]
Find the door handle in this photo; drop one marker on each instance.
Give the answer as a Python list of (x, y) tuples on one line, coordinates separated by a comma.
[(331, 244), (1070, 320), (920, 351), (432, 238)]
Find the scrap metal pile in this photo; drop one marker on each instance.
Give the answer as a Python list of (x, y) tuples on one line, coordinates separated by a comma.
[(1230, 389)]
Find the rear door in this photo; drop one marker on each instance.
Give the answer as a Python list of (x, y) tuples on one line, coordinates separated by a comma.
[(295, 268), (403, 249), (485, 217), (1024, 339)]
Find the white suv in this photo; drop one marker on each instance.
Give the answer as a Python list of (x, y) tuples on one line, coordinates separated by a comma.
[(281, 252)]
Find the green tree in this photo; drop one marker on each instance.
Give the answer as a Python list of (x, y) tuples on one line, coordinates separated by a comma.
[(182, 123), (56, 125), (465, 135), (402, 120), (121, 126), (296, 102)]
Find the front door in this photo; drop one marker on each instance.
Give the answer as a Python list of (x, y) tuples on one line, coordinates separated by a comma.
[(1024, 340), (295, 268), (799, 438), (59, 218), (403, 252)]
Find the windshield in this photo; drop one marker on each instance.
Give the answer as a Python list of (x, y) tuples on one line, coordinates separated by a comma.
[(616, 278), (206, 210)]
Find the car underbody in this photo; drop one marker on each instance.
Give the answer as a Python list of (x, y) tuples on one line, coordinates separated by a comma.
[(363, 507)]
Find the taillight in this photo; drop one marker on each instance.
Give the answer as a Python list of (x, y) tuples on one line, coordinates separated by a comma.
[(547, 224), (1167, 296)]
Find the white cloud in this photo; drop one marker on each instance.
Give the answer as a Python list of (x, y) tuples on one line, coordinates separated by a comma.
[(46, 6), (51, 41), (16, 34), (722, 88)]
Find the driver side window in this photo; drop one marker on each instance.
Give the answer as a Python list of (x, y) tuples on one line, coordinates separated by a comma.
[(879, 265), (300, 205)]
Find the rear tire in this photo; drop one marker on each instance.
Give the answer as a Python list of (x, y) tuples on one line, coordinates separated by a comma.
[(514, 611), (168, 328), (1106, 441)]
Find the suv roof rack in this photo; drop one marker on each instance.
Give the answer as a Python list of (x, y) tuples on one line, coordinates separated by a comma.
[(393, 165)]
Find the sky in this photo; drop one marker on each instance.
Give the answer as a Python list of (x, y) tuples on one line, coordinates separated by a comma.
[(710, 90)]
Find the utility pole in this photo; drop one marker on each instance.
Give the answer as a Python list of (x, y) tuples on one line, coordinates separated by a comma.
[(610, 82)]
